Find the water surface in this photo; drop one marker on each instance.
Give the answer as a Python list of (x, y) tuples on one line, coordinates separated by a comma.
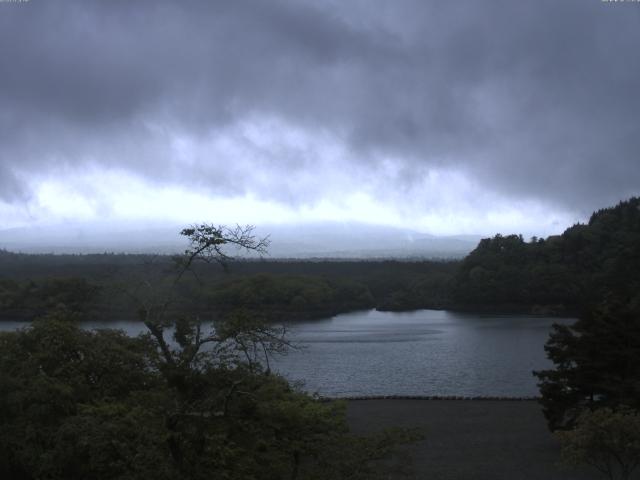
[(425, 352)]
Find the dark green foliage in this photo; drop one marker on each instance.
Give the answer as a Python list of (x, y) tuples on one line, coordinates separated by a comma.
[(289, 297), (507, 272), (57, 386), (430, 290), (593, 269), (606, 439), (597, 363), (29, 299), (26, 281), (76, 404), (557, 275)]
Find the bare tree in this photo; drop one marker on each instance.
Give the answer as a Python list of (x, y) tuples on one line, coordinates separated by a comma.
[(210, 243), (238, 336)]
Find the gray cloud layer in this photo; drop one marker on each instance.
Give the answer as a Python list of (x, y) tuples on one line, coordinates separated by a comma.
[(535, 100)]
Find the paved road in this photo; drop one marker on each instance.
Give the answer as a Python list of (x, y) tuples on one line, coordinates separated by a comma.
[(471, 439)]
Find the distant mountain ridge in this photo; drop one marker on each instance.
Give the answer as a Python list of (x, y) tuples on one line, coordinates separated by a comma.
[(311, 240)]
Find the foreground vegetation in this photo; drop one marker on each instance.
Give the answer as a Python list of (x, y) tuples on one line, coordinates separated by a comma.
[(177, 402), (76, 404), (132, 408), (591, 397)]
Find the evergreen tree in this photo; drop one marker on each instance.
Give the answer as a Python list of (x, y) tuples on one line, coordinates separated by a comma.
[(597, 363)]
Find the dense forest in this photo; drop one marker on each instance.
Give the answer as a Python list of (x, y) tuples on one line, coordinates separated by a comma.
[(591, 396), (106, 286), (180, 401), (560, 274), (98, 404), (556, 275)]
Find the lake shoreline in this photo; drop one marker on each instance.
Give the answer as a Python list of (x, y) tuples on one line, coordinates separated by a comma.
[(534, 311), (425, 353), (514, 309), (479, 398)]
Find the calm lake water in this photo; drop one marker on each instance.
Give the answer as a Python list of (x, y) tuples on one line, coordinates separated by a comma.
[(425, 352)]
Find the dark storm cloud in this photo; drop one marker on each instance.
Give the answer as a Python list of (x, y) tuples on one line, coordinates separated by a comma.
[(532, 99)]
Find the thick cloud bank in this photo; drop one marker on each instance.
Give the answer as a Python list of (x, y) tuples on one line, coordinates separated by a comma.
[(435, 108)]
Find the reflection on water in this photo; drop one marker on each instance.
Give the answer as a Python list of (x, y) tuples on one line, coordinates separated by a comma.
[(426, 352)]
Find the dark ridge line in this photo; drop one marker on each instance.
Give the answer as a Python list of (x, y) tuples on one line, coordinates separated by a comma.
[(429, 397)]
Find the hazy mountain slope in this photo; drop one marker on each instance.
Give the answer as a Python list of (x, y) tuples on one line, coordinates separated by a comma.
[(323, 240)]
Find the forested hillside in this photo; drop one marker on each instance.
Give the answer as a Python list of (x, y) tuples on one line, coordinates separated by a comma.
[(558, 274), (108, 286)]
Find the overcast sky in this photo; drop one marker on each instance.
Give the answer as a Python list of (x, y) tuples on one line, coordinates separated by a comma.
[(439, 116)]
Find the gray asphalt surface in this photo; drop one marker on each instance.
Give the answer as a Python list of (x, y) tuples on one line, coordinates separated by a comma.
[(471, 439)]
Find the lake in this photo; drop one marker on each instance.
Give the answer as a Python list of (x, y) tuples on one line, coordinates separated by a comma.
[(424, 352)]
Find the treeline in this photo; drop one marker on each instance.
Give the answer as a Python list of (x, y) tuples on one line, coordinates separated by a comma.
[(560, 274), (591, 396), (78, 404), (557, 275), (290, 297), (27, 299), (111, 286)]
